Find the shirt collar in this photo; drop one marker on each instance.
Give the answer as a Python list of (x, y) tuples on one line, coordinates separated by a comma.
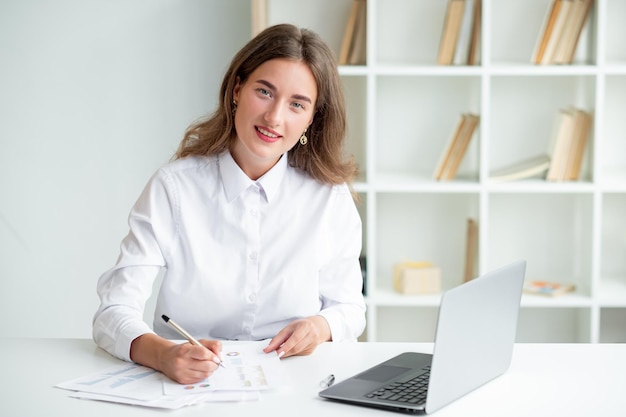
[(236, 181)]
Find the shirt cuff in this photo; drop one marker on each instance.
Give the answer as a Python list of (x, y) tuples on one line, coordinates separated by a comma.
[(125, 339), (340, 331)]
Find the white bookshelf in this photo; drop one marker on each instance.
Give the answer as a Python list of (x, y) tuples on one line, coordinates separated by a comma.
[(402, 108)]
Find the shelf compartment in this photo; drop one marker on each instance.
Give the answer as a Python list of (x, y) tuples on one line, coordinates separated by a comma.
[(408, 32), (612, 329), (522, 127), (613, 142), (356, 108), (613, 245), (615, 33), (516, 26), (552, 232), (423, 227), (554, 325), (416, 117)]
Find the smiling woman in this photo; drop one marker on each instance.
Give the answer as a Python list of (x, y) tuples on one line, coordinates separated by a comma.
[(253, 221), (274, 107), (323, 159)]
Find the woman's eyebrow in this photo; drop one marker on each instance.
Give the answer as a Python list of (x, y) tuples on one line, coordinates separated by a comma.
[(295, 96)]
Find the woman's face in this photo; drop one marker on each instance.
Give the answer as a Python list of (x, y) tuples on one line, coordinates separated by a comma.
[(274, 107)]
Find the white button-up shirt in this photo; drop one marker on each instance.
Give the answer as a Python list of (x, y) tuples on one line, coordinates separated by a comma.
[(241, 258)]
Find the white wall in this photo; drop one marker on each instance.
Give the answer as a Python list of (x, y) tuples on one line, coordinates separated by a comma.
[(94, 96)]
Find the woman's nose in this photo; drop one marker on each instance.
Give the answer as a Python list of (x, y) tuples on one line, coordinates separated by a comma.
[(273, 115)]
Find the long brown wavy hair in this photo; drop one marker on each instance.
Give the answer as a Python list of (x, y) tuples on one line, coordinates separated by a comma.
[(323, 156)]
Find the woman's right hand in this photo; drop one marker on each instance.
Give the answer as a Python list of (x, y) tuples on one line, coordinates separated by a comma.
[(184, 363)]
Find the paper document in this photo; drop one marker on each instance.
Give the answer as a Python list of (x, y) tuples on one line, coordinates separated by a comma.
[(171, 402), (248, 370), (127, 380)]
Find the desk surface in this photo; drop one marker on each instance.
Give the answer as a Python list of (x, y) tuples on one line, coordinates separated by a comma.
[(544, 380)]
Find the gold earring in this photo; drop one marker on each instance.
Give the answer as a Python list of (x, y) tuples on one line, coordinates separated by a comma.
[(234, 107), (303, 138)]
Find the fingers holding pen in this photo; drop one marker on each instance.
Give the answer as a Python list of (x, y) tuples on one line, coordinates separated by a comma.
[(212, 346), (215, 348), (187, 363)]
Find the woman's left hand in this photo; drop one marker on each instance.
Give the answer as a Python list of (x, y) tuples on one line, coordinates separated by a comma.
[(300, 337)]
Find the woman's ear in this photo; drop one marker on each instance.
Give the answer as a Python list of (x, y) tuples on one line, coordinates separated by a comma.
[(237, 89)]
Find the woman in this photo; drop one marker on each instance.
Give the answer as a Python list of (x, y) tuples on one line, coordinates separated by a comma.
[(253, 221)]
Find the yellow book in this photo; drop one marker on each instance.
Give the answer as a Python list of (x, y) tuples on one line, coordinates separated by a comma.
[(447, 152), (450, 34), (534, 166), (557, 30), (348, 36), (358, 51), (561, 144), (546, 32), (458, 153)]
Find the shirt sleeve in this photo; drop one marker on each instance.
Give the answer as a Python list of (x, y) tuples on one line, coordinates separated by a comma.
[(125, 288), (341, 281)]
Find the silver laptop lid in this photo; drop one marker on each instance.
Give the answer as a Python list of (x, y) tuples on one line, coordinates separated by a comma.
[(476, 330)]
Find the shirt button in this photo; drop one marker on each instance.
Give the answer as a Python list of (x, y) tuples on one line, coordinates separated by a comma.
[(252, 298), (253, 256), (254, 212)]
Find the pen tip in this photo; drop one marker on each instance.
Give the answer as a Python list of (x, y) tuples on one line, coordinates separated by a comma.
[(165, 318)]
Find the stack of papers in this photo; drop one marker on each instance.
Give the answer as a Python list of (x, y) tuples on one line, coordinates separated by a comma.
[(248, 370)]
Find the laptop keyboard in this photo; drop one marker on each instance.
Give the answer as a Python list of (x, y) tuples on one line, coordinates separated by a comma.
[(412, 391)]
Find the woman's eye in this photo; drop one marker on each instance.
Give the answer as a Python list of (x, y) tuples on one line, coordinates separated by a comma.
[(298, 105), (264, 92)]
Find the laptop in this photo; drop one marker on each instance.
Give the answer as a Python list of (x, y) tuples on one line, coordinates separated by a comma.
[(476, 329)]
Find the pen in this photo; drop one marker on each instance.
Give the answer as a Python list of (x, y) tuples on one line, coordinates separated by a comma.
[(187, 336), (328, 381)]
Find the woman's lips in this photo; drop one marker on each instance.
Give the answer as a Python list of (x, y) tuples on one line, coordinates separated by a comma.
[(267, 135)]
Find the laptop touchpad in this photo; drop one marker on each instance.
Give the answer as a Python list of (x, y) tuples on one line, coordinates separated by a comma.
[(382, 373)]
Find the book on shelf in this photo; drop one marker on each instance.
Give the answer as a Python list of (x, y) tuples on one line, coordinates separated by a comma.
[(532, 167), (456, 147), (547, 288), (579, 25), (568, 146), (560, 31), (354, 45), (358, 53), (451, 27), (461, 51), (582, 131), (546, 31), (471, 250), (567, 34), (557, 30), (259, 16), (460, 37), (559, 143), (474, 48), (563, 159)]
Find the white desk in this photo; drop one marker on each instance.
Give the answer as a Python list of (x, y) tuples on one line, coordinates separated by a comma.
[(544, 380)]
